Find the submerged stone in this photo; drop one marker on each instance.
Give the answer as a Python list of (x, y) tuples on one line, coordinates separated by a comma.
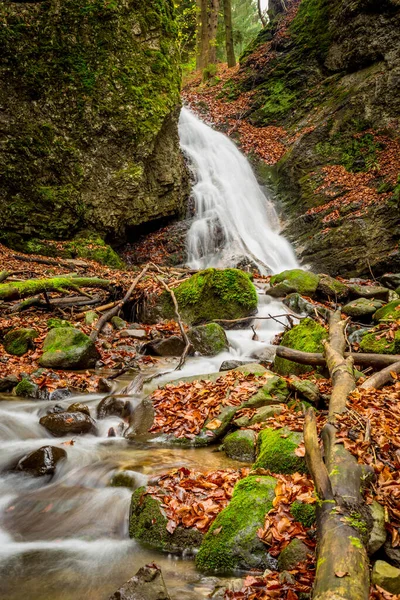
[(42, 461), (19, 341), (65, 423), (276, 451), (147, 584), (232, 542), (68, 348), (209, 339), (307, 337), (240, 445)]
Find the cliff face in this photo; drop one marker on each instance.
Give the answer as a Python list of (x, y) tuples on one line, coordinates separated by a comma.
[(328, 72), (89, 102)]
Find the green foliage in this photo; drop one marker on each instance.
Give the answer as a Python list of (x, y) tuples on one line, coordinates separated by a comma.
[(310, 27), (303, 513), (355, 153)]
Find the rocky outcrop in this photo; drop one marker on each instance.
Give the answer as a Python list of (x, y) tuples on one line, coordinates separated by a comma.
[(89, 100)]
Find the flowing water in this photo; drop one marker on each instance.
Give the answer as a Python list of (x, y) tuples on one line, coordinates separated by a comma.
[(233, 217), (66, 537)]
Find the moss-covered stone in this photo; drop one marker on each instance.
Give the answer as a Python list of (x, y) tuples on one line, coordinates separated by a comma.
[(261, 415), (389, 312), (376, 292), (294, 280), (361, 308), (19, 341), (206, 296), (305, 388), (376, 343), (240, 445), (276, 451), (275, 391), (294, 553), (91, 317), (148, 524), (386, 576), (209, 339), (127, 479), (68, 348), (54, 322), (331, 288), (26, 389), (232, 542), (118, 323), (307, 337), (303, 513)]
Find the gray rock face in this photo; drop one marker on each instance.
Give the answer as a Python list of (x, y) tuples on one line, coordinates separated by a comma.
[(110, 406), (7, 383), (135, 334), (292, 555), (147, 584), (362, 308), (42, 461), (68, 423), (172, 346), (68, 348), (376, 292), (378, 534)]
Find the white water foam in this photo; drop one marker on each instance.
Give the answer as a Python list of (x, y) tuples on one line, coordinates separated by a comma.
[(233, 217)]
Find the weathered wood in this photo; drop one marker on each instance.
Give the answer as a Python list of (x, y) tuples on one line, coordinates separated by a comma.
[(378, 380), (66, 262), (314, 460), (378, 361), (32, 287), (4, 275)]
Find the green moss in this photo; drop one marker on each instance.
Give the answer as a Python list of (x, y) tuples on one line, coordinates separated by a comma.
[(275, 391), (310, 27), (213, 294), (68, 348), (147, 524), (389, 312), (232, 542), (307, 337), (303, 282), (26, 389), (375, 343), (19, 341), (240, 445), (356, 542), (276, 451), (356, 153), (303, 513), (356, 520), (54, 322)]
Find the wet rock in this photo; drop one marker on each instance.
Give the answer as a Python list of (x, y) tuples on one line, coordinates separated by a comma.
[(18, 341), (8, 383), (305, 388), (208, 340), (59, 394), (378, 534), (118, 323), (42, 461), (111, 406), (135, 334), (79, 407), (26, 389), (266, 354), (68, 423), (148, 524), (68, 348), (276, 451), (391, 280), (301, 306), (105, 385), (389, 312), (294, 553), (172, 346), (294, 280), (307, 337), (56, 409), (232, 542), (376, 292), (240, 445), (147, 584), (332, 289), (356, 336), (386, 576), (361, 308), (127, 479), (91, 317), (228, 365)]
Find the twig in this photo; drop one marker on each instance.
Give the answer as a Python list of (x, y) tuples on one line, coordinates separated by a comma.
[(254, 318)]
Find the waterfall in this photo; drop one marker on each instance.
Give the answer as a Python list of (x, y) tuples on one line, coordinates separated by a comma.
[(233, 217)]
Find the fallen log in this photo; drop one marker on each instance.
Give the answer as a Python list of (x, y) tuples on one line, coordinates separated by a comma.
[(67, 262), (115, 310), (32, 287), (378, 380), (378, 361), (343, 519), (4, 275), (69, 301)]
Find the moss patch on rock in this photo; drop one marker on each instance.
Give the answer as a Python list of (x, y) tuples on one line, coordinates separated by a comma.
[(148, 524), (376, 343), (19, 341), (209, 339), (232, 542), (68, 348), (303, 513), (276, 451), (240, 445), (294, 280), (389, 312), (307, 337)]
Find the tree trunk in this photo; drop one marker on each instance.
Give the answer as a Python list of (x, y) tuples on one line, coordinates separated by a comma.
[(203, 36), (378, 361), (198, 34), (212, 32), (230, 50), (32, 287)]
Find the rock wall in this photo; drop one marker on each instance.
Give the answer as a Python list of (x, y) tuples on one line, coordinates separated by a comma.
[(89, 102), (328, 72)]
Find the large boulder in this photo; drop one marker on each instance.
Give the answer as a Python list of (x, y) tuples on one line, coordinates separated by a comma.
[(19, 341), (206, 296), (148, 524), (307, 337), (147, 584), (42, 461), (294, 280), (362, 308), (68, 348), (65, 423), (209, 339), (232, 542), (277, 451)]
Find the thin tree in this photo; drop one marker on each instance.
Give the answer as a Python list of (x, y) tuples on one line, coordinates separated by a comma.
[(230, 49), (204, 35), (212, 32), (261, 14)]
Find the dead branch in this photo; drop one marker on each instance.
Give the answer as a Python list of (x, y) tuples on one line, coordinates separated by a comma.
[(315, 464), (32, 287), (67, 262), (316, 359), (113, 311), (4, 275), (378, 380)]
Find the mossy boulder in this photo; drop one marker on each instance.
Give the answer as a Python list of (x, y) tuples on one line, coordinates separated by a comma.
[(209, 339), (275, 391), (232, 542), (303, 513), (376, 343), (294, 280), (362, 308), (386, 576), (68, 348), (127, 479), (307, 337), (305, 388), (91, 317), (389, 312), (19, 341), (240, 445), (206, 296), (148, 525), (294, 553), (118, 323), (331, 288), (26, 389), (276, 451), (54, 322)]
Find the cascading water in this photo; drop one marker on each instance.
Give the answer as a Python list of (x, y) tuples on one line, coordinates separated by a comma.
[(233, 217)]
